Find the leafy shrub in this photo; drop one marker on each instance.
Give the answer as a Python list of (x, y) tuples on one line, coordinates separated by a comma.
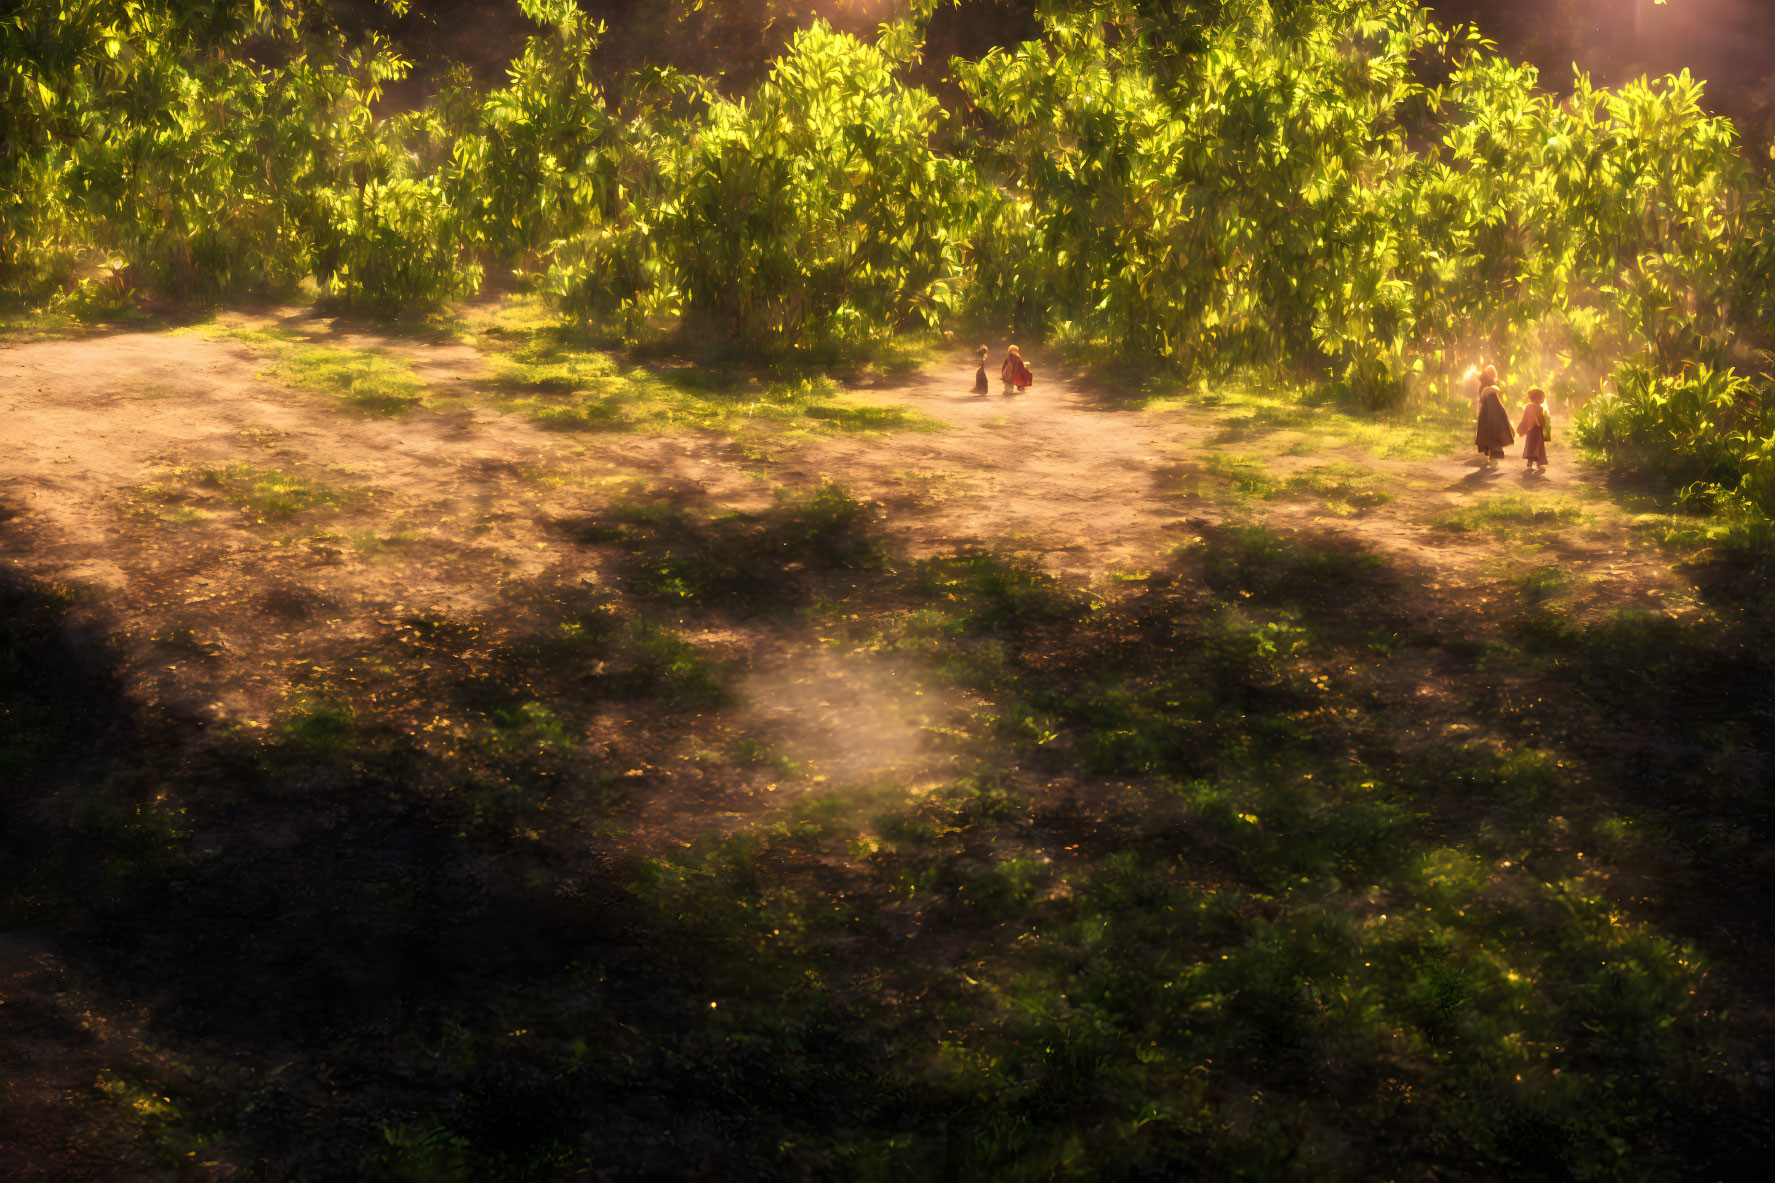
[(1244, 189), (391, 246), (1710, 432), (556, 183), (130, 136), (816, 212)]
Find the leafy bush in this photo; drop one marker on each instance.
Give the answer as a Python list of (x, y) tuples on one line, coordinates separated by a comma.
[(386, 234), (556, 182), (139, 141), (1245, 190), (1226, 184), (816, 212), (1711, 432), (148, 142)]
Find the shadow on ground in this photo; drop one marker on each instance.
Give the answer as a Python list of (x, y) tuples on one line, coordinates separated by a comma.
[(1273, 864)]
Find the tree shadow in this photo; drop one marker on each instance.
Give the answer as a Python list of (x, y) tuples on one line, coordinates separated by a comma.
[(459, 968), (749, 563), (333, 920)]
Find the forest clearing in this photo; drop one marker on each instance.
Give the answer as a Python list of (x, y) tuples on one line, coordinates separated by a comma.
[(390, 725), (523, 656)]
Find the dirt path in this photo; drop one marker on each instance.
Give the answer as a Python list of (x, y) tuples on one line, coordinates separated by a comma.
[(101, 433)]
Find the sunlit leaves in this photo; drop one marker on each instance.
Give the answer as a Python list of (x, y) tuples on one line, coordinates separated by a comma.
[(1258, 198), (816, 211)]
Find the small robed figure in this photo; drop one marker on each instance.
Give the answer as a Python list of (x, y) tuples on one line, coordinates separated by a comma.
[(1014, 374), (980, 374), (1536, 429)]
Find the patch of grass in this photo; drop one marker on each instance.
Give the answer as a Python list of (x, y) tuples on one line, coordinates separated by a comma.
[(1345, 485), (559, 378), (367, 380), (94, 304), (754, 753), (529, 731), (316, 723), (1743, 538), (1121, 974), (1253, 407), (618, 484), (1544, 582), (374, 543), (261, 494), (268, 438), (1259, 418), (1247, 476), (21, 327), (269, 494), (1512, 513), (1413, 435), (986, 592), (674, 668), (750, 559), (1248, 561)]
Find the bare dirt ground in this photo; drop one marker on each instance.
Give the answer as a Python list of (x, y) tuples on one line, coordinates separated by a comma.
[(89, 429), (1057, 473), (1060, 473)]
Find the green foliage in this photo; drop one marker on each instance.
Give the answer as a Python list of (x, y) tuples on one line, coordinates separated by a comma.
[(674, 668), (1234, 206), (387, 236), (1710, 432), (990, 592), (1753, 266), (557, 183), (316, 722), (560, 378), (139, 150), (366, 379), (151, 152), (1228, 183), (1354, 195), (1243, 188), (816, 213), (749, 560)]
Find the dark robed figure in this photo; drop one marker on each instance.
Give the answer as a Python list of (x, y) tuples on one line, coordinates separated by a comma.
[(1494, 434)]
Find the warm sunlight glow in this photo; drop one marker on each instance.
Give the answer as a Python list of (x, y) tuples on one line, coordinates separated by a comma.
[(547, 630)]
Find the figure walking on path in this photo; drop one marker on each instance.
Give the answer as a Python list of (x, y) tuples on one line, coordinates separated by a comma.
[(980, 374), (1493, 434), (1014, 373), (1536, 429)]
